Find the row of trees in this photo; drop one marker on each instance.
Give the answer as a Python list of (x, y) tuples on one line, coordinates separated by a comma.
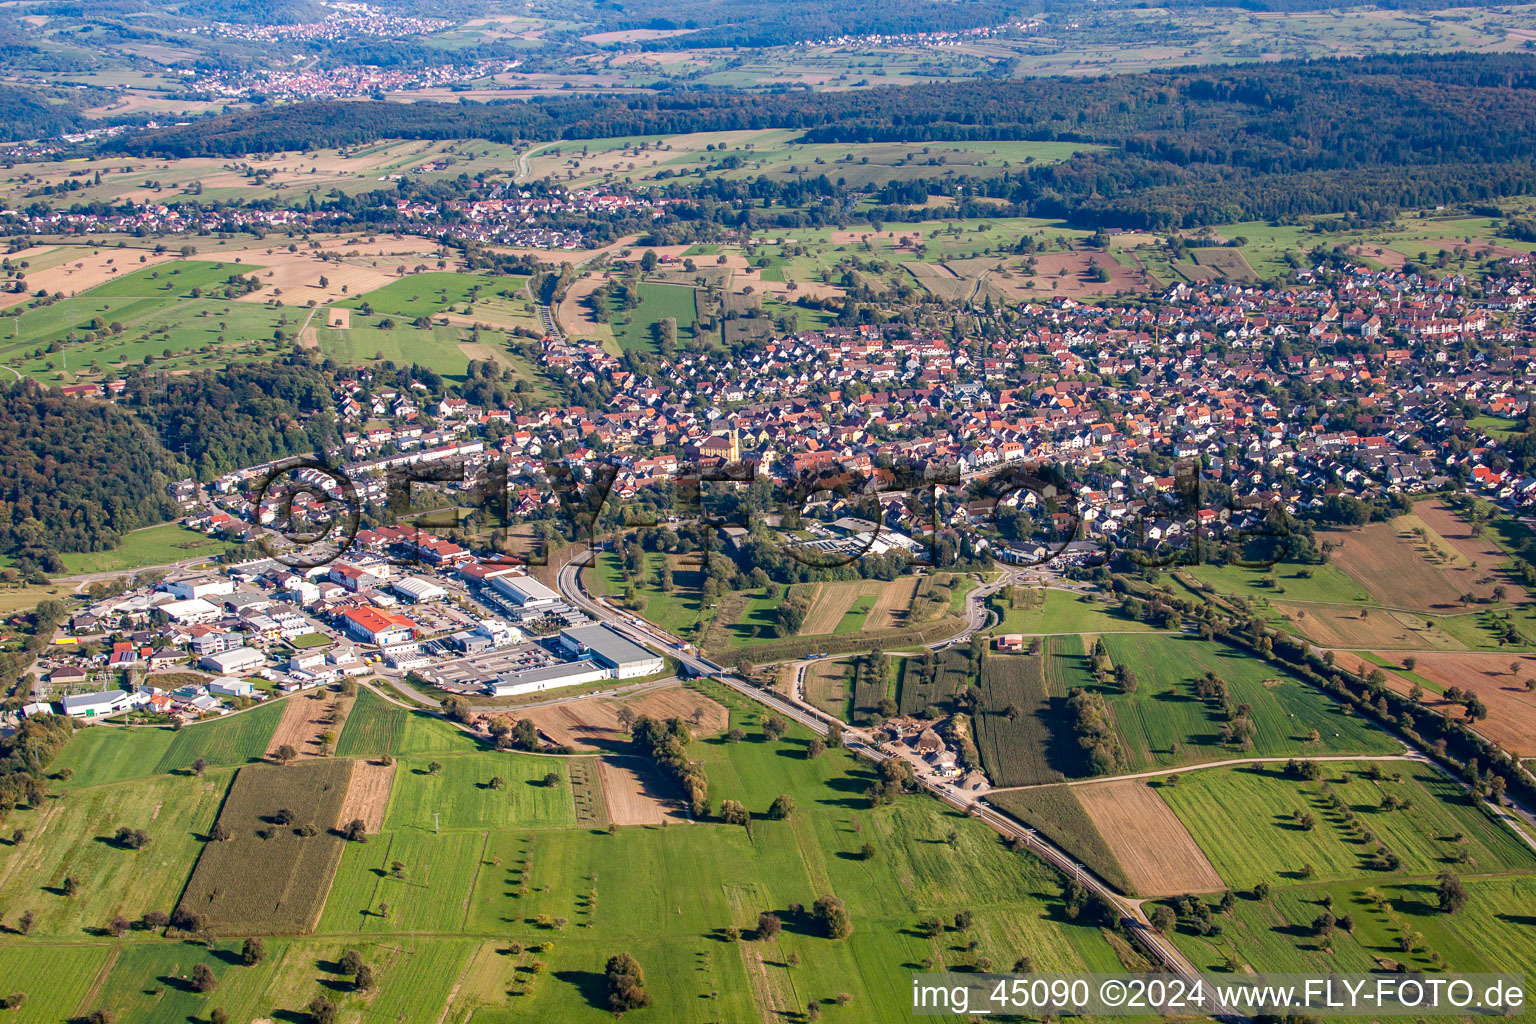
[(666, 744)]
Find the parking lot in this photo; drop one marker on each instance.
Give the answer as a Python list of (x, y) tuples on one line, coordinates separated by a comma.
[(468, 674), (434, 618)]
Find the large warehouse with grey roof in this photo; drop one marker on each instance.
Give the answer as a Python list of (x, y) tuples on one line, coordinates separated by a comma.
[(627, 660)]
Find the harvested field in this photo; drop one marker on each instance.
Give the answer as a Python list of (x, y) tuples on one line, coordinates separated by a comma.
[(298, 276), (368, 794), (637, 794), (81, 268), (1075, 274), (1229, 263), (1158, 854), (634, 35), (1389, 258), (829, 603), (825, 683), (307, 717), (1357, 628), (1402, 570), (592, 723), (1057, 813), (887, 605), (1482, 550), (339, 318), (285, 895), (1511, 720), (893, 604), (941, 282), (573, 314)]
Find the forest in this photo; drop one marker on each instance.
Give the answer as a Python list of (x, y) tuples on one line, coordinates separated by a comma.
[(74, 476), (761, 23), (243, 416), (1187, 147)]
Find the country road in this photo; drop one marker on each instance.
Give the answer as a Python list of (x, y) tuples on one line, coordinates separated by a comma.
[(83, 580), (568, 582), (1408, 755), (617, 691)]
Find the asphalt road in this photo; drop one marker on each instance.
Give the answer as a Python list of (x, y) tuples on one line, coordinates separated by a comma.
[(861, 743)]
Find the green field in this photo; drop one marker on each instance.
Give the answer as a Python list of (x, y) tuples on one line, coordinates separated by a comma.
[(71, 836), (437, 347), (461, 795), (234, 740), (176, 316), (657, 302), (375, 727), (1243, 820), (101, 753), (1494, 931), (679, 611), (432, 893), (147, 983), (176, 279), (508, 866), (1056, 812), (153, 545), (109, 754), (69, 972), (1063, 612), (1164, 723), (431, 292), (1284, 581)]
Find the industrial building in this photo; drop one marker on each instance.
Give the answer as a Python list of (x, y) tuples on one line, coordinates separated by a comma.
[(96, 705), (525, 591), (375, 626), (192, 611), (233, 662), (200, 586), (624, 659), (419, 590), (547, 677)]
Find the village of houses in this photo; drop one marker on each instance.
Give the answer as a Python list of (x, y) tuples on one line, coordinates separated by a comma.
[(1113, 395)]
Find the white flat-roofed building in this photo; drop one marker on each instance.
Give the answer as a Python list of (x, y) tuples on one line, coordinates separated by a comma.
[(547, 677), (192, 611), (525, 591), (626, 660), (199, 586), (233, 663), (233, 686), (418, 590), (96, 705)]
